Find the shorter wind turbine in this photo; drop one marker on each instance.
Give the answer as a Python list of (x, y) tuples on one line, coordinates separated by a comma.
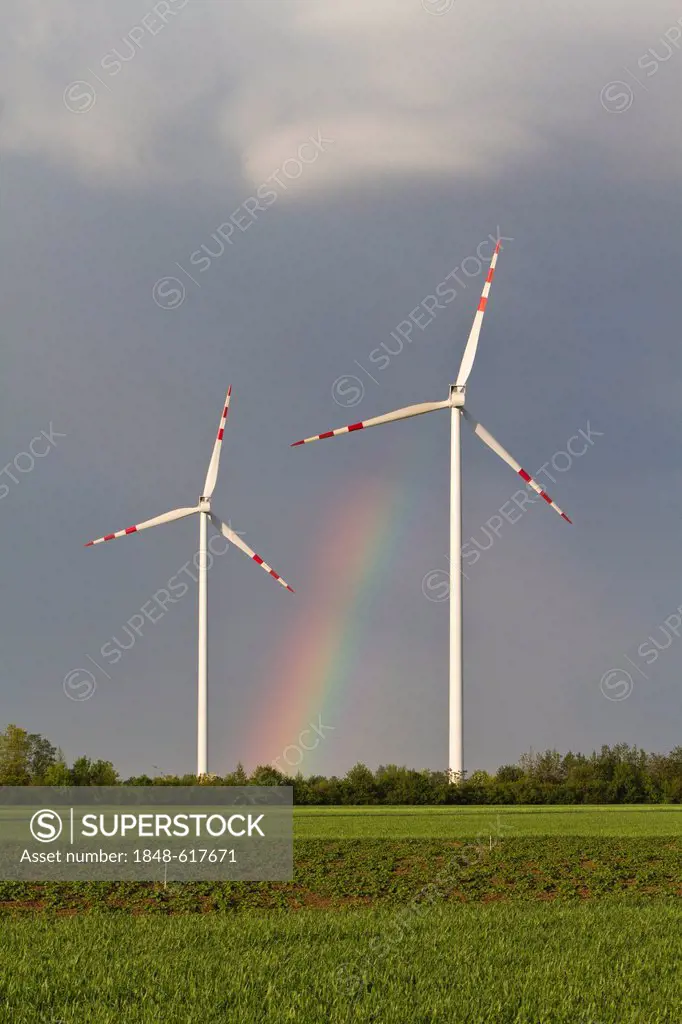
[(455, 403), (203, 510)]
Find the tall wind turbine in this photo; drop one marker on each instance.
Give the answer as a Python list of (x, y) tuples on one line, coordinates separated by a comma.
[(455, 403), (203, 510)]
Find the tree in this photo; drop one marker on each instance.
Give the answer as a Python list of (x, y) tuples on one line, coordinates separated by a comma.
[(238, 777), (360, 786), (15, 751), (394, 785), (267, 775), (620, 774), (93, 773), (103, 773), (80, 772), (42, 756), (57, 775)]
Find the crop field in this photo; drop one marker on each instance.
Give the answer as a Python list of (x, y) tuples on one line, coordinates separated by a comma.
[(380, 873), (467, 822), (586, 964), (484, 915)]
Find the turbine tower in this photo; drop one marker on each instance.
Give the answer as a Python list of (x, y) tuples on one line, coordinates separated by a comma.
[(203, 510), (456, 404)]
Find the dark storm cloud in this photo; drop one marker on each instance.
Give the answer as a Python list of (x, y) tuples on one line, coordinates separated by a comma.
[(444, 128)]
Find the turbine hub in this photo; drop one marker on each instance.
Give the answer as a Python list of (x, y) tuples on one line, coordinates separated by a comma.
[(204, 504), (457, 396)]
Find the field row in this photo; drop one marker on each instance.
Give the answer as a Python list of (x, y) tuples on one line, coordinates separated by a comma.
[(396, 873), (492, 820)]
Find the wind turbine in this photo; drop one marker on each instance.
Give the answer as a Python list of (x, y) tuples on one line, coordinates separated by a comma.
[(203, 510), (455, 403)]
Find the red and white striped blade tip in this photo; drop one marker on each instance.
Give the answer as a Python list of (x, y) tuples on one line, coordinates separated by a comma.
[(167, 517), (235, 539), (329, 433), (268, 569), (487, 438), (226, 410), (212, 472), (543, 494), (407, 412), (471, 346)]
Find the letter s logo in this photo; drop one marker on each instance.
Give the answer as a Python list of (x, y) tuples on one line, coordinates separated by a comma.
[(46, 826)]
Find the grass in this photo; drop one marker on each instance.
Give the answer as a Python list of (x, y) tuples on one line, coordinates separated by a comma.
[(465, 822), (407, 915), (582, 964)]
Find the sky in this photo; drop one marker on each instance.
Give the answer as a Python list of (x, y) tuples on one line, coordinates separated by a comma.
[(200, 193)]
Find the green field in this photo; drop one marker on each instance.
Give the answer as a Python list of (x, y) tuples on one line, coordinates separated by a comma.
[(344, 874), (588, 964), (466, 822), (479, 915)]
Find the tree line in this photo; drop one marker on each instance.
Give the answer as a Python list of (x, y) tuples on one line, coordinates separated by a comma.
[(618, 774)]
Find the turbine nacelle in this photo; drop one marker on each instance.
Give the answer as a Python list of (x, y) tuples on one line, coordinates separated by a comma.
[(457, 396)]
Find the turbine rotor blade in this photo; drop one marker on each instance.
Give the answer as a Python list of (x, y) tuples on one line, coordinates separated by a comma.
[(167, 517), (235, 539), (488, 439), (389, 417), (212, 475), (472, 343)]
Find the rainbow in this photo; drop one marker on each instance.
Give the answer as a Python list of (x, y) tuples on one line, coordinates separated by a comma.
[(349, 556)]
